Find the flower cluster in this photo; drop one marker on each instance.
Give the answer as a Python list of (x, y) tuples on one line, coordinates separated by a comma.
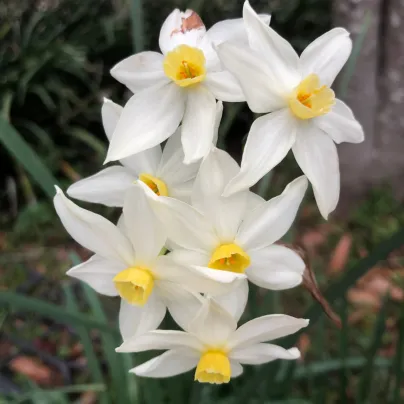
[(192, 235)]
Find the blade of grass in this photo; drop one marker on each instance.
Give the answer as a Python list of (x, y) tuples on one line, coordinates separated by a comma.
[(375, 344), (87, 343), (57, 313), (231, 112), (196, 5), (351, 65), (398, 363), (109, 343), (24, 154), (137, 25), (117, 370)]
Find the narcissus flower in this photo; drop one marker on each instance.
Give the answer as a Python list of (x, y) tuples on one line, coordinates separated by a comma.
[(305, 115), (217, 235), (127, 262), (181, 83), (214, 345), (164, 172)]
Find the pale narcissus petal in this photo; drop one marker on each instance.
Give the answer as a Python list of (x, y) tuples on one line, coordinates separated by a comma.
[(160, 339), (148, 118), (269, 141), (275, 267), (212, 324), (232, 30), (189, 268), (271, 220), (317, 156), (93, 231), (254, 77), (185, 225), (137, 320), (224, 86), (279, 54), (142, 226), (265, 328), (327, 55), (215, 172), (144, 162), (218, 118), (141, 71), (170, 363), (341, 124), (181, 28), (98, 273), (107, 187), (235, 301), (236, 369), (253, 201), (110, 113), (198, 124), (258, 354)]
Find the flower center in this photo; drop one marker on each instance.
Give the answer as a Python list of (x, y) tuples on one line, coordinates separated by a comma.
[(155, 184), (185, 65), (229, 257), (134, 285), (309, 99), (213, 367)]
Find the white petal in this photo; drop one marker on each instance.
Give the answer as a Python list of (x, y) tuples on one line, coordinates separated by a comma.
[(278, 53), (198, 124), (138, 320), (182, 304), (275, 267), (140, 71), (185, 225), (174, 30), (253, 201), (143, 228), (341, 124), (235, 301), (254, 77), (232, 30), (93, 231), (144, 162), (263, 353), (170, 363), (271, 220), (160, 339), (212, 324), (110, 113), (225, 213), (98, 273), (317, 156), (189, 268), (107, 187), (148, 118), (224, 86), (236, 369), (266, 328), (172, 169), (269, 141), (327, 55), (218, 118)]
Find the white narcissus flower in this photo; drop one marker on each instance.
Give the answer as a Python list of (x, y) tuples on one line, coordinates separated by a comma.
[(127, 262), (181, 83), (214, 345), (217, 235), (163, 171), (305, 115)]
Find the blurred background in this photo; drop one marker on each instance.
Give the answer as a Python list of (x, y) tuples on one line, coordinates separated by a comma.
[(57, 337)]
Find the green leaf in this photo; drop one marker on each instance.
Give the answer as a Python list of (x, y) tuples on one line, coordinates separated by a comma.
[(86, 341), (137, 25), (376, 342), (26, 156), (57, 313)]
